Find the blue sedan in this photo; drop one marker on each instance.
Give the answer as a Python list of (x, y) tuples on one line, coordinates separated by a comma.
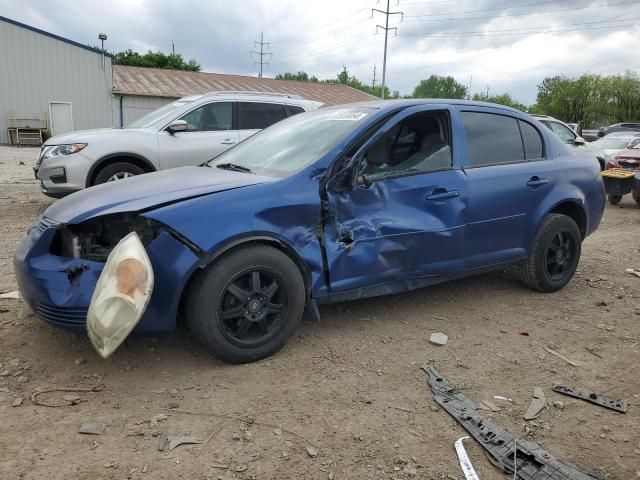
[(338, 204)]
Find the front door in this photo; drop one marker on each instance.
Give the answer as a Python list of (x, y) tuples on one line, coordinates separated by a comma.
[(405, 219), (210, 132), (61, 118)]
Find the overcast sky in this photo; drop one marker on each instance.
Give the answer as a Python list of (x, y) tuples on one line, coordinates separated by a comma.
[(503, 45)]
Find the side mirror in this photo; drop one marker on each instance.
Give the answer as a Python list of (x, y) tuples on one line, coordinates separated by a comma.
[(345, 179), (579, 141), (178, 126)]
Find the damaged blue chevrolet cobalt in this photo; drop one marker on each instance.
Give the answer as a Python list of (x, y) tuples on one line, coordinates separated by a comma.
[(337, 204)]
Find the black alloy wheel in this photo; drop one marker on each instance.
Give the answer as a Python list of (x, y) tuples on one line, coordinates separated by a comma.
[(252, 308)]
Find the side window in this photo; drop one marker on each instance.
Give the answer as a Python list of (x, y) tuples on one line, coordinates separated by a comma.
[(419, 143), (193, 119), (210, 117), (533, 147), (492, 138), (256, 116), (563, 133), (294, 110)]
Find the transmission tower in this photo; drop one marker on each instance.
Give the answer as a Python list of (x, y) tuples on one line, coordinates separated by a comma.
[(261, 53), (387, 13)]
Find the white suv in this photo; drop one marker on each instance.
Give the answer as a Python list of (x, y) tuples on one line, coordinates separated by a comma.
[(189, 131)]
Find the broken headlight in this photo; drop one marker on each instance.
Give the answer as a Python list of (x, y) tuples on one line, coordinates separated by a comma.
[(121, 295)]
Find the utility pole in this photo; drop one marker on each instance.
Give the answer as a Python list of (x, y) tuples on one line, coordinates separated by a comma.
[(262, 53), (386, 29), (173, 48), (373, 82)]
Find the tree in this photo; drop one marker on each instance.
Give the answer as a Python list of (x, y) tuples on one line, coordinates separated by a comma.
[(504, 99), (155, 60), (437, 86), (299, 77)]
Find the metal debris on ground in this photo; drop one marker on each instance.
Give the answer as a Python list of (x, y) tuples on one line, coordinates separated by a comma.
[(438, 338), (538, 402), (465, 463), (14, 294), (174, 440), (606, 402), (533, 463), (92, 428)]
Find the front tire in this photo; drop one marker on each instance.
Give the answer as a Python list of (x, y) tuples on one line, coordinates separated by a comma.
[(246, 305), (117, 171), (554, 256)]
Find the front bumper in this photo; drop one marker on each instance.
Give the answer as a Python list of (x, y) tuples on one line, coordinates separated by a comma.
[(63, 175), (59, 289)]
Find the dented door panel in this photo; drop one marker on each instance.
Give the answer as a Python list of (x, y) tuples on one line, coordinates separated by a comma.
[(392, 230)]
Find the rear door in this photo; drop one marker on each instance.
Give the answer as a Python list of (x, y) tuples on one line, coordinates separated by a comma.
[(255, 116), (210, 132), (508, 178)]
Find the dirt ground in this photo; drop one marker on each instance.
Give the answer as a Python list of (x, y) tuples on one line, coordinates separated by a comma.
[(349, 387)]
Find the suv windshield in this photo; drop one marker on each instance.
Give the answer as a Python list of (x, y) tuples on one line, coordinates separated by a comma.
[(160, 114), (613, 142), (294, 143)]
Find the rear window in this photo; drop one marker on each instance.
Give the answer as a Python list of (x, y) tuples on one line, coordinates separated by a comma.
[(256, 116), (533, 147), (293, 109), (492, 139)]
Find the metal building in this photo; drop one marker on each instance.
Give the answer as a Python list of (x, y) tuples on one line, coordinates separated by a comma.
[(51, 85), (52, 82)]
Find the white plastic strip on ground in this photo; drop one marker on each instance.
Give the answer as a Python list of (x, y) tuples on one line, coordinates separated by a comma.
[(465, 463)]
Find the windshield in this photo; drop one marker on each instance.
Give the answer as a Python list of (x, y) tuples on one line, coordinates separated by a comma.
[(160, 114), (613, 142), (293, 144)]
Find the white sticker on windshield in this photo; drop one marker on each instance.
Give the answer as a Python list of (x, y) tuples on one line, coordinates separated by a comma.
[(348, 115)]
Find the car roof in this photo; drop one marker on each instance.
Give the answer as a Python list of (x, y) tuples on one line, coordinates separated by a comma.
[(623, 134), (404, 103), (269, 97)]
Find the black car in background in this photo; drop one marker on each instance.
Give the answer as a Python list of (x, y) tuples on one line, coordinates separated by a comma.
[(619, 127)]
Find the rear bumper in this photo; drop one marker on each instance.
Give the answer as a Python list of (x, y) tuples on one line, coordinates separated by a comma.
[(59, 290)]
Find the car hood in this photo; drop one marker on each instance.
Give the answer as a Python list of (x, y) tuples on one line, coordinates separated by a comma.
[(85, 136), (147, 191)]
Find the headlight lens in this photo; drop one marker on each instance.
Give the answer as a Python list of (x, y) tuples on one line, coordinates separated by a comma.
[(121, 295), (59, 150)]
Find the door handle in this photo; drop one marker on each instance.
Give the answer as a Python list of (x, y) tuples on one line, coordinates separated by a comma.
[(228, 141), (537, 181), (443, 194)]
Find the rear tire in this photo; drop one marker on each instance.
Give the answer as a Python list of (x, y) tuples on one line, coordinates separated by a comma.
[(117, 171), (554, 255), (614, 199), (246, 305)]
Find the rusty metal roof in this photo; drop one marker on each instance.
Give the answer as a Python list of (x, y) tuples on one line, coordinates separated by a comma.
[(156, 82)]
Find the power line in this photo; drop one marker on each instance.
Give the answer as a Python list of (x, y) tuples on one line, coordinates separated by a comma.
[(523, 14), (522, 5), (262, 53), (386, 29), (615, 19)]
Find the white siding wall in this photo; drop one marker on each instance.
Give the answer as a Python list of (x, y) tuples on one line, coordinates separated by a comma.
[(36, 69), (136, 106)]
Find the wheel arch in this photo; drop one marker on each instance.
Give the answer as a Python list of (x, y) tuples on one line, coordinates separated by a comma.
[(234, 244), (133, 158), (573, 210)]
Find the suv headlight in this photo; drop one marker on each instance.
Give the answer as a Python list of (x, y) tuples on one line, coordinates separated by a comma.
[(121, 295), (60, 150)]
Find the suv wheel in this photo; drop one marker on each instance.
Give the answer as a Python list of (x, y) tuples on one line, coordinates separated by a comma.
[(117, 171), (554, 254), (614, 199), (635, 193), (247, 304)]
